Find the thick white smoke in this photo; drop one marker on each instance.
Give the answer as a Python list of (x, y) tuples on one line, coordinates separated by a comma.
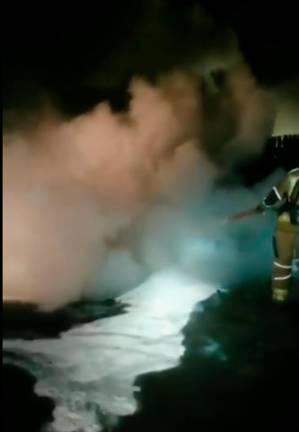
[(83, 199)]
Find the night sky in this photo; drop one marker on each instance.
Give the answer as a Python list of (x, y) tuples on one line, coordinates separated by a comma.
[(81, 55)]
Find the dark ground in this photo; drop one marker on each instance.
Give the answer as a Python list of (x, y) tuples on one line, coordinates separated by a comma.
[(27, 322), (250, 383), (239, 370)]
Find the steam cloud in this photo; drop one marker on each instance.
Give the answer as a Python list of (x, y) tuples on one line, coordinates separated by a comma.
[(91, 205)]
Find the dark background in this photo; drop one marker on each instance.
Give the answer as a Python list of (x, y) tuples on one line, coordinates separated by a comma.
[(56, 48), (79, 55)]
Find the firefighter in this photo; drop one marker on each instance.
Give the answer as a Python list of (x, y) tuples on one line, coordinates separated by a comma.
[(284, 198)]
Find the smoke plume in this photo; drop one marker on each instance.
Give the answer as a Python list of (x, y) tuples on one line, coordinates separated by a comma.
[(83, 197)]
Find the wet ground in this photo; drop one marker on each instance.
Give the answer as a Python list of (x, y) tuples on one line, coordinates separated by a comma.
[(239, 370)]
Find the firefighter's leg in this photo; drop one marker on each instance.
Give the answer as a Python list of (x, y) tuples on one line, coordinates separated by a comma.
[(284, 244), (296, 256)]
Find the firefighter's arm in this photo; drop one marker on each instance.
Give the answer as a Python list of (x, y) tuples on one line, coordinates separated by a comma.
[(275, 198)]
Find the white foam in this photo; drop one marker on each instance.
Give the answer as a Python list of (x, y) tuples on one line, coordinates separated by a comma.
[(90, 371)]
